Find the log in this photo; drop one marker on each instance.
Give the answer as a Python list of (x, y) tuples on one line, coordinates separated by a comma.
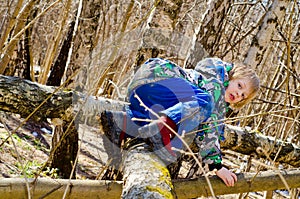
[(250, 142), (23, 97), (55, 188), (145, 175), (38, 102), (247, 182)]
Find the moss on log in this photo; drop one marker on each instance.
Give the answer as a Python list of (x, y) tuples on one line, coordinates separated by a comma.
[(145, 175)]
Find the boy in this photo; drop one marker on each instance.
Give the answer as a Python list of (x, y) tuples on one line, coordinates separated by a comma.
[(186, 100)]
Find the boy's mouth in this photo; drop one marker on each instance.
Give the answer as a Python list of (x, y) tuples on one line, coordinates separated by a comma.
[(231, 97)]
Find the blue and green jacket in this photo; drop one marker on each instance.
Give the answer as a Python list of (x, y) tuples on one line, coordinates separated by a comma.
[(201, 108)]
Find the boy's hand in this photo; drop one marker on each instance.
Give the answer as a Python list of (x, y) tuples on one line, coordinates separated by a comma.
[(227, 176)]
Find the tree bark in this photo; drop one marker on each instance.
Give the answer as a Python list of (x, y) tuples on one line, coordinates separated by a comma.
[(23, 97), (58, 68), (249, 142), (64, 149), (145, 175), (55, 188), (247, 182), (85, 39), (209, 34), (261, 40)]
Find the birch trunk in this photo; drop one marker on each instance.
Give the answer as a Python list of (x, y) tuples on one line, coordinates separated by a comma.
[(263, 37), (213, 20), (249, 142), (145, 175)]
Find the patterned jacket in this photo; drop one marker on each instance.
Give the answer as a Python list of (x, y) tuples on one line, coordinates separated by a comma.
[(210, 75)]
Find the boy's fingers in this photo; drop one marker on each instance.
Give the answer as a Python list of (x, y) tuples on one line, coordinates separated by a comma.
[(231, 180), (234, 177)]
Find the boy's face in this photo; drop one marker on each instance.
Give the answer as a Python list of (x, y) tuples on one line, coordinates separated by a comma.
[(237, 90)]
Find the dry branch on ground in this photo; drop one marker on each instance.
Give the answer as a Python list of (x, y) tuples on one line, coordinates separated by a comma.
[(55, 188)]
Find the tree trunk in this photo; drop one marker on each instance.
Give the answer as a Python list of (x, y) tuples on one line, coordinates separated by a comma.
[(53, 46), (260, 42), (23, 97), (78, 189), (159, 37), (58, 68), (145, 175), (212, 24), (247, 182), (249, 142), (21, 62), (56, 188), (85, 38), (64, 149)]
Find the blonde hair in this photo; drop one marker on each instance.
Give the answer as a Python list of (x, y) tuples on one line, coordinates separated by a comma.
[(242, 71)]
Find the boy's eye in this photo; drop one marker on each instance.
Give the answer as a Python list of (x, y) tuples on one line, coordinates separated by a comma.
[(239, 85)]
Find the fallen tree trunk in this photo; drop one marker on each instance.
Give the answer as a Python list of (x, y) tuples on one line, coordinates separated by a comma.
[(247, 182), (145, 175), (55, 188), (23, 97), (249, 142)]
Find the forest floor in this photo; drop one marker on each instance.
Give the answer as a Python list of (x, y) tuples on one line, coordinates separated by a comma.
[(29, 149)]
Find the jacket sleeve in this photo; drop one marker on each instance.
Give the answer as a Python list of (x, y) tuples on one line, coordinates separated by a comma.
[(212, 130)]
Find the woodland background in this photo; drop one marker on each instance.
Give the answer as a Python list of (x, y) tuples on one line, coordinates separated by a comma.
[(95, 46)]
